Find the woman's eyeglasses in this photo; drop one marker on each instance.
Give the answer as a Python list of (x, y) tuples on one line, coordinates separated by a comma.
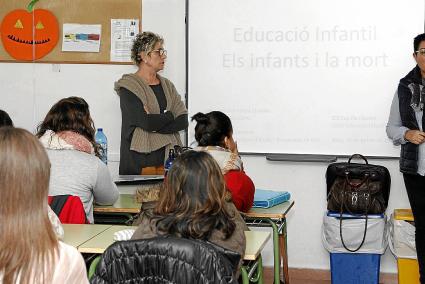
[(161, 51), (420, 51)]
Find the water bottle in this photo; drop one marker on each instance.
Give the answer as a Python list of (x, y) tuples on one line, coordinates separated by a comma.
[(169, 161), (103, 142)]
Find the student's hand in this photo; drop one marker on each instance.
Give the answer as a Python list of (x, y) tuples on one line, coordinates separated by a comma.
[(415, 136), (231, 145), (236, 152), (146, 109), (235, 148)]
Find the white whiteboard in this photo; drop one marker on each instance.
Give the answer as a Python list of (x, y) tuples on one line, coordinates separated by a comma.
[(302, 76)]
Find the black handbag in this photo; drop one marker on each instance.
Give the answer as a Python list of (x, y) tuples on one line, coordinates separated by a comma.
[(357, 189)]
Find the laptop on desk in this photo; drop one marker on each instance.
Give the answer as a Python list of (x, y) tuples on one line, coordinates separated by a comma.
[(137, 179)]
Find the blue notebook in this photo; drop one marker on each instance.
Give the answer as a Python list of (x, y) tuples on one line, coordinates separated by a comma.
[(268, 198)]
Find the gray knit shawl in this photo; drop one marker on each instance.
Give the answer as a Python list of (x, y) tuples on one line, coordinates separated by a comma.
[(144, 141)]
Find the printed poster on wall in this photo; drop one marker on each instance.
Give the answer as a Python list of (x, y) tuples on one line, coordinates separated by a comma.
[(123, 32), (81, 38)]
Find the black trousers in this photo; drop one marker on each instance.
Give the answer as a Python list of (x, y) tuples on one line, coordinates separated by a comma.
[(415, 186)]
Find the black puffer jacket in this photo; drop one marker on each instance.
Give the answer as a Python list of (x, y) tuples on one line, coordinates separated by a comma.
[(411, 84), (166, 259)]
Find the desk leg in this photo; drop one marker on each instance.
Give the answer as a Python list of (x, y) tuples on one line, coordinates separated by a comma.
[(253, 272), (244, 275), (280, 255), (283, 251), (276, 251)]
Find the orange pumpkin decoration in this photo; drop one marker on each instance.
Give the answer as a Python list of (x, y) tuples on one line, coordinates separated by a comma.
[(27, 39)]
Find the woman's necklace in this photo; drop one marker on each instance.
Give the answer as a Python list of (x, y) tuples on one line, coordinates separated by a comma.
[(151, 80)]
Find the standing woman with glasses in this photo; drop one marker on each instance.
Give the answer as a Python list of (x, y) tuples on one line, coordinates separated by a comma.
[(152, 110), (406, 128)]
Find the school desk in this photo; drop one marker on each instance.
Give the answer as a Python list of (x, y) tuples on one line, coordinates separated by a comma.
[(274, 217), (96, 238), (122, 212), (126, 203), (97, 243)]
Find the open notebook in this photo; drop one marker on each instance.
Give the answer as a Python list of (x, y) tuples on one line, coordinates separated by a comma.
[(268, 198)]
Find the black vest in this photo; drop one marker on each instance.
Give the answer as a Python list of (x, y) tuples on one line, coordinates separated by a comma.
[(409, 151)]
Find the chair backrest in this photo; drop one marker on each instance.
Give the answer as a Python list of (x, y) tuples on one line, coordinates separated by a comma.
[(69, 209), (166, 259)]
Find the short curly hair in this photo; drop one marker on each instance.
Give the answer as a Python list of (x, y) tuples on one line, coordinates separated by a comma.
[(145, 42)]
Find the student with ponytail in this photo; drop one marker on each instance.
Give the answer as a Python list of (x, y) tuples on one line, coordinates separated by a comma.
[(214, 134)]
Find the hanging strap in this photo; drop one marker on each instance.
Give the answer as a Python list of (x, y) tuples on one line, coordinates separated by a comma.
[(58, 201), (340, 220)]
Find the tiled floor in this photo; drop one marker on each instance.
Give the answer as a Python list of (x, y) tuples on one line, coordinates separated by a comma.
[(311, 276), (305, 276)]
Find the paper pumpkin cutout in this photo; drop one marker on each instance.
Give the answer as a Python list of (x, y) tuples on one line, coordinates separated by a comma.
[(25, 39)]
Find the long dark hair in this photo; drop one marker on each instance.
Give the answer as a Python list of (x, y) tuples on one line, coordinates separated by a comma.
[(192, 203), (71, 114), (211, 128)]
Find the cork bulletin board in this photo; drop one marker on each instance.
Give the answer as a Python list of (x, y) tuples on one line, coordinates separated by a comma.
[(88, 12)]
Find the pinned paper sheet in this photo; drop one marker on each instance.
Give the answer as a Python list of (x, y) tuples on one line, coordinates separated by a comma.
[(123, 33), (81, 38)]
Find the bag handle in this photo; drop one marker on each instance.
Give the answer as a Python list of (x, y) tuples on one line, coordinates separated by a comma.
[(368, 197), (342, 239), (340, 222), (356, 185), (360, 156)]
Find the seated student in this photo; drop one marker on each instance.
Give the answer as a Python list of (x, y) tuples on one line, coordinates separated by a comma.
[(193, 204), (29, 249), (67, 133), (214, 134), (5, 120)]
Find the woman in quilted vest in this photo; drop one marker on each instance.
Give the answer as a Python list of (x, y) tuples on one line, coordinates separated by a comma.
[(214, 134), (406, 128)]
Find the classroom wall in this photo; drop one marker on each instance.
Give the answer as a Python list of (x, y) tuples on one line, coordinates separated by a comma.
[(306, 182), (28, 91)]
